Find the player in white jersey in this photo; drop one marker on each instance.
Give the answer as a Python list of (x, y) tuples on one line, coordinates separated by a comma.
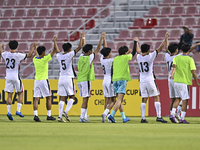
[(13, 81), (66, 85), (148, 87)]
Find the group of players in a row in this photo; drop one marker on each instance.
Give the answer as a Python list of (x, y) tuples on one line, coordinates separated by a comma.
[(181, 69)]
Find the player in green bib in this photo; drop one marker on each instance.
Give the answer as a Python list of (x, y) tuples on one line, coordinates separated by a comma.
[(183, 70), (41, 84), (86, 74)]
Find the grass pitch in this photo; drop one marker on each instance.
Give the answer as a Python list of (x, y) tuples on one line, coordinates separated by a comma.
[(25, 134)]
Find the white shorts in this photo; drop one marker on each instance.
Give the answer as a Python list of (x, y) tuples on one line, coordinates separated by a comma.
[(182, 90), (12, 85), (108, 89), (66, 86), (84, 88), (172, 93), (148, 89), (41, 88)]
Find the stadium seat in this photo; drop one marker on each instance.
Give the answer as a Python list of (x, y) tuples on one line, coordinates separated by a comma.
[(45, 3), (31, 14), (34, 3), (52, 24), (38, 35), (191, 2), (191, 11), (75, 24), (23, 47), (153, 11), (159, 59), (79, 13), (104, 3), (175, 34), (62, 35), (100, 72), (92, 3), (178, 2), (163, 23), (48, 36), (19, 14), (166, 3), (97, 59), (5, 25), (2, 62), (197, 35), (43, 13), (150, 23), (160, 35), (74, 36), (121, 44), (27, 71), (13, 35), (80, 3), (196, 58), (3, 71), (3, 35), (40, 24), (157, 70), (70, 3), (48, 46), (90, 12), (10, 4), (123, 35), (60, 46), (176, 23), (25, 36), (190, 22), (105, 13), (157, 45), (8, 13), (135, 33), (16, 25), (28, 24), (133, 71), (64, 24), (165, 73), (178, 11), (7, 48), (89, 25), (2, 3), (111, 45), (55, 13), (148, 35), (67, 13), (22, 4), (137, 24), (58, 3), (198, 24), (165, 12)]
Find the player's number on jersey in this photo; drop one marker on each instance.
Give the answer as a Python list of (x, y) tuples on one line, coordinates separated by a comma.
[(8, 61), (144, 66), (104, 70), (169, 65), (63, 64)]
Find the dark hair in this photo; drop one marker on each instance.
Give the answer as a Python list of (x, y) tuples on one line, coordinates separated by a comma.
[(66, 47), (13, 44), (105, 51), (145, 48), (87, 48), (172, 47), (185, 47), (41, 49), (122, 50)]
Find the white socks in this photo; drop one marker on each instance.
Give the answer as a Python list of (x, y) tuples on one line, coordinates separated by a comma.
[(83, 112), (173, 111), (49, 113), (183, 113), (158, 109), (106, 112), (35, 113), (179, 110), (86, 114), (61, 105), (8, 108), (143, 108), (19, 105), (69, 105)]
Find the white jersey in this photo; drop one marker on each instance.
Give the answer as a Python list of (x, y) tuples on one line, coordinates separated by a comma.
[(92, 57), (66, 67), (146, 66), (12, 61), (107, 65)]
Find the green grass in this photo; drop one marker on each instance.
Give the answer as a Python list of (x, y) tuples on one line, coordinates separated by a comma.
[(25, 134)]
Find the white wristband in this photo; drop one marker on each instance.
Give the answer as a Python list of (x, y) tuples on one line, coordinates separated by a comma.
[(83, 37)]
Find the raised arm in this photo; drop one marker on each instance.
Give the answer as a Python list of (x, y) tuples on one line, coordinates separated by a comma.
[(33, 48), (100, 42), (136, 48), (55, 47), (80, 45), (163, 43), (194, 47), (166, 44), (1, 48), (195, 77), (104, 42)]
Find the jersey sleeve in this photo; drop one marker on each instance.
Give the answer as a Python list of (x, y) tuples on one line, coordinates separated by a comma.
[(21, 56), (3, 55), (153, 55), (47, 58), (129, 57), (92, 56), (192, 64)]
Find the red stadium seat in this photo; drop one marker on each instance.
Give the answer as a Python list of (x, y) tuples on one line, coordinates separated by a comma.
[(133, 71), (79, 13), (43, 13), (111, 45), (34, 3), (121, 44), (22, 4), (196, 58), (157, 45), (27, 71), (165, 73), (23, 47), (3, 35), (176, 23), (48, 46), (55, 13), (16, 25), (62, 35), (67, 13), (64, 24), (135, 33), (165, 12), (153, 11), (5, 25), (160, 35), (40, 24), (80, 3), (60, 46), (70, 3), (3, 71), (190, 22), (2, 3), (198, 24), (178, 2), (38, 35), (74, 36), (31, 13), (105, 13), (104, 3), (191, 11), (29, 24), (48, 36), (52, 24), (90, 12), (89, 25), (166, 3), (197, 35), (100, 72), (123, 35), (25, 36), (93, 3), (75, 24), (163, 23), (150, 23), (8, 13), (19, 14), (137, 24), (191, 2), (97, 59), (175, 34), (178, 11), (14, 35), (58, 3), (148, 35), (157, 70), (10, 4), (45, 3)]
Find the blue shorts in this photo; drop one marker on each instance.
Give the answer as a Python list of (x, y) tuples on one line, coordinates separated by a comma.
[(120, 86)]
